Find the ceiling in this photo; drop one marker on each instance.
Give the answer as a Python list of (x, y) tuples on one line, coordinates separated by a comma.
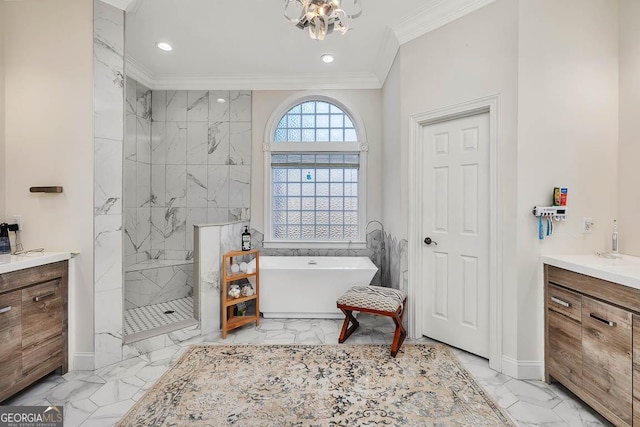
[(249, 43)]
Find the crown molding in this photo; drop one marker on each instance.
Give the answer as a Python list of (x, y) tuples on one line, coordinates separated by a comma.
[(120, 4), (435, 14), (386, 55), (261, 81), (138, 72)]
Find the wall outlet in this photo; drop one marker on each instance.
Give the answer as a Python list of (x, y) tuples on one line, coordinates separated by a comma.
[(587, 225), (17, 219)]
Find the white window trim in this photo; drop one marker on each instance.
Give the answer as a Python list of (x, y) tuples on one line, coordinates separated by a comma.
[(269, 147)]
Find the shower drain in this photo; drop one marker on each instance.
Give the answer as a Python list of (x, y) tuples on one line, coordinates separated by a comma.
[(169, 312)]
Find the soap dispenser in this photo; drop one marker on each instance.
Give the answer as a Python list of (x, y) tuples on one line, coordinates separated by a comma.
[(5, 244), (246, 239), (614, 238)]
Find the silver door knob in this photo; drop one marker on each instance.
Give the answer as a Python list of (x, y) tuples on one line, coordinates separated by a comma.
[(428, 241)]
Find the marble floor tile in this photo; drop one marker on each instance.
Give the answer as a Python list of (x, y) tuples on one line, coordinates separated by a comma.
[(102, 397)]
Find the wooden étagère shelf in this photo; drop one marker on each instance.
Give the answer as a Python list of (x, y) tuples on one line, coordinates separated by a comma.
[(229, 319)]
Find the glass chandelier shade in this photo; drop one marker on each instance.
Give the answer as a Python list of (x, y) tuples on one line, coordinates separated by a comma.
[(322, 17)]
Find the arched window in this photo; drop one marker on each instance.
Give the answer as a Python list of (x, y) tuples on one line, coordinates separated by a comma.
[(315, 169)]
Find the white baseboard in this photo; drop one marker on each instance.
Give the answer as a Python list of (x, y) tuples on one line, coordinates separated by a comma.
[(82, 362), (523, 369)]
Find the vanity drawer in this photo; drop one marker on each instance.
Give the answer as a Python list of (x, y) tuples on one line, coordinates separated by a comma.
[(564, 302), (42, 312), (43, 358), (10, 339)]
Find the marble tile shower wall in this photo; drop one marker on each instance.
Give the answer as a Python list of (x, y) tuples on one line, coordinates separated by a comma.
[(137, 173), (200, 165), (108, 47)]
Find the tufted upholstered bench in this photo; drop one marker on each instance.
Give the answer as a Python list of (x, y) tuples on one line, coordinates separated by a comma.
[(375, 300)]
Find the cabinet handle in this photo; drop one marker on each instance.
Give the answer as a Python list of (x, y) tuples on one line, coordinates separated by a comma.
[(559, 301), (41, 297), (4, 310), (600, 319)]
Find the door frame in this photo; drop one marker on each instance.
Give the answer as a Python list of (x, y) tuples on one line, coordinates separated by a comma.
[(491, 105)]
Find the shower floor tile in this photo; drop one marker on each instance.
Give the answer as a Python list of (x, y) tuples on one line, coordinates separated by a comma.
[(142, 319)]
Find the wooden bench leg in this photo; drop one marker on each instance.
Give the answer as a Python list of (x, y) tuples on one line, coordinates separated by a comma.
[(401, 333), (346, 329)]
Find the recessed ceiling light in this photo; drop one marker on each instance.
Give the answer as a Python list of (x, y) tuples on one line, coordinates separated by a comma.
[(164, 46), (221, 100), (327, 57)]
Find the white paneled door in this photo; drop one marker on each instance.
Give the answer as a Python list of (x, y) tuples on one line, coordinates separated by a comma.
[(455, 232)]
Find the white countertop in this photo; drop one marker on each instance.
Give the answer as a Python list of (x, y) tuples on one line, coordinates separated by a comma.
[(625, 270), (9, 263)]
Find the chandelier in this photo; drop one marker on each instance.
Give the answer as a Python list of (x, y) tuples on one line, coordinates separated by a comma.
[(322, 17)]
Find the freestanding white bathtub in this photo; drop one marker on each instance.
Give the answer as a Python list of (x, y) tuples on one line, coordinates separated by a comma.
[(308, 287)]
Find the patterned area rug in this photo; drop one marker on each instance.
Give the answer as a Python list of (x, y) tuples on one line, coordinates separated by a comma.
[(298, 385)]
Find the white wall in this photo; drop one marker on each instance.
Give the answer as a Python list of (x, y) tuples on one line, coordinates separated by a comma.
[(629, 148), (470, 58), (366, 103), (567, 136), (49, 134), (393, 218), (2, 115)]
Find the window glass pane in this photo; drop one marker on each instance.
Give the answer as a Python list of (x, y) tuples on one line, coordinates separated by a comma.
[(308, 203), (297, 109), (322, 203), (293, 120), (350, 204), (293, 217), (309, 175), (280, 232), (308, 121), (347, 122), (334, 190), (322, 107), (293, 189), (350, 189), (322, 232), (309, 107), (281, 135), (279, 175), (322, 135), (279, 190), (293, 175), (351, 233), (350, 135), (322, 120), (283, 122), (308, 232), (293, 232), (337, 121), (322, 175), (308, 218), (334, 109), (308, 189), (279, 203), (294, 135), (279, 217), (322, 189), (322, 217), (351, 218), (293, 203), (336, 203), (337, 175), (308, 135), (334, 135), (336, 232)]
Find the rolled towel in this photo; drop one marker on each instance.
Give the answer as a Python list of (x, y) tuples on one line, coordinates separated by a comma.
[(251, 266), (243, 267), (235, 268)]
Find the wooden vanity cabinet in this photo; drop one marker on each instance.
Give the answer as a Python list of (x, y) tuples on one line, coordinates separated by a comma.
[(604, 369), (564, 334), (606, 357), (33, 325)]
